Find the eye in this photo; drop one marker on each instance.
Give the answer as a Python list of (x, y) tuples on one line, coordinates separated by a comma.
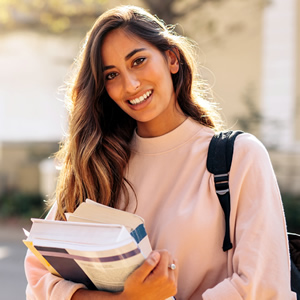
[(139, 61), (111, 76)]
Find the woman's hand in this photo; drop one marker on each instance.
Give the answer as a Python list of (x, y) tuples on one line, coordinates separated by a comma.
[(153, 279)]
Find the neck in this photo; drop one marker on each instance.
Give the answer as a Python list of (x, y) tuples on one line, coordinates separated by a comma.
[(158, 126)]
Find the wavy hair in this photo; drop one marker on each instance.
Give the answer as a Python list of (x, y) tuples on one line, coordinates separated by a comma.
[(96, 150)]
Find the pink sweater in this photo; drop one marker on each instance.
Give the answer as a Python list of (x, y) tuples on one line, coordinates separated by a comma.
[(177, 199)]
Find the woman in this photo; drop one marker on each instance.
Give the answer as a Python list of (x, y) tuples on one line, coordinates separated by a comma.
[(138, 139)]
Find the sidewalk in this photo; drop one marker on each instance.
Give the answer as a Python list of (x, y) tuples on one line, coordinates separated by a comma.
[(12, 253)]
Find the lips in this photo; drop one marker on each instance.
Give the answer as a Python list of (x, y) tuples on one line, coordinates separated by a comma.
[(141, 99)]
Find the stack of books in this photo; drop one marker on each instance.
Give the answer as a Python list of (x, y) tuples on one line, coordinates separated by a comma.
[(98, 246)]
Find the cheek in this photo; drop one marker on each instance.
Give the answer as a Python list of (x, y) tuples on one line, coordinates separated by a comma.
[(165, 82), (112, 91), (155, 72), (161, 75)]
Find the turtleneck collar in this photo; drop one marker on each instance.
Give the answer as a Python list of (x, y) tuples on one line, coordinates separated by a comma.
[(168, 141)]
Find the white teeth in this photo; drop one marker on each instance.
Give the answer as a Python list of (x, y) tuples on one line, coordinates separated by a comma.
[(141, 98)]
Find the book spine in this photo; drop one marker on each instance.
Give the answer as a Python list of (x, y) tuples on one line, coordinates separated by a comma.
[(139, 233)]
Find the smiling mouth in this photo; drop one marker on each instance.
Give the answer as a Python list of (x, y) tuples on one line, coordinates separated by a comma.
[(141, 98)]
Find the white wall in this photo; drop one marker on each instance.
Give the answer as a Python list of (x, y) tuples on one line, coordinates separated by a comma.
[(279, 75), (33, 67)]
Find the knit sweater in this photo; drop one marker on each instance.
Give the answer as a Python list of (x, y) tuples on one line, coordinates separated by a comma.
[(175, 195)]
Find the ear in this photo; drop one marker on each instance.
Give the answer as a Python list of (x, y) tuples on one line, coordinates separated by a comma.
[(173, 56)]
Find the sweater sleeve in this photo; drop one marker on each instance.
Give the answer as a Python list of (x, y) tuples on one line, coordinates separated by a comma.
[(42, 285), (258, 265)]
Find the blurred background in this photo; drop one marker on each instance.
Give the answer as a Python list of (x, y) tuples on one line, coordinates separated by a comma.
[(249, 51)]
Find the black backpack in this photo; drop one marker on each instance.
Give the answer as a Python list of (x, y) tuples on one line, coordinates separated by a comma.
[(219, 160)]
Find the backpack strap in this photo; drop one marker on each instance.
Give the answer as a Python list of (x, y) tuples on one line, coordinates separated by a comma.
[(294, 245), (218, 163)]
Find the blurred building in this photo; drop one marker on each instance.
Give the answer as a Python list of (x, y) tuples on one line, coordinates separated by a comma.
[(252, 59), (250, 56), (34, 67)]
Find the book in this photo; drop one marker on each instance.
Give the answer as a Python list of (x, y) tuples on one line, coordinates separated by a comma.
[(98, 246), (91, 211)]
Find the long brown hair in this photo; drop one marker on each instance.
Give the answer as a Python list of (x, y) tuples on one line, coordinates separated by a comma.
[(96, 151)]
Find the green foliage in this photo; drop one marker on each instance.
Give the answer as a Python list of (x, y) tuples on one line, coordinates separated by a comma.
[(56, 16), (291, 204), (18, 204)]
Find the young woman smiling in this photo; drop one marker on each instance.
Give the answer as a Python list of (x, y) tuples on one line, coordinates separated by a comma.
[(138, 77), (139, 130)]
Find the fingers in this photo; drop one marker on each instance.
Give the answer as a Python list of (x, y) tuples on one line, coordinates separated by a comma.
[(166, 260), (156, 265), (148, 266), (153, 279), (173, 273), (170, 275), (162, 272)]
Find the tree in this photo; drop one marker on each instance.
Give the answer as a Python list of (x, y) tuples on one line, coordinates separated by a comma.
[(167, 10), (52, 15), (78, 15)]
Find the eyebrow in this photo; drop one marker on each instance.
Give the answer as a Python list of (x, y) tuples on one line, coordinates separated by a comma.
[(128, 56)]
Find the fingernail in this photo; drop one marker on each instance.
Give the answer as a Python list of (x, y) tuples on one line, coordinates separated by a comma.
[(155, 256)]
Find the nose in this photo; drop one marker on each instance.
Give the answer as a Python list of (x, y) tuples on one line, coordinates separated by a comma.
[(131, 82)]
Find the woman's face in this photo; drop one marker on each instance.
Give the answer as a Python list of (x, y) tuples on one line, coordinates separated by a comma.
[(138, 78)]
